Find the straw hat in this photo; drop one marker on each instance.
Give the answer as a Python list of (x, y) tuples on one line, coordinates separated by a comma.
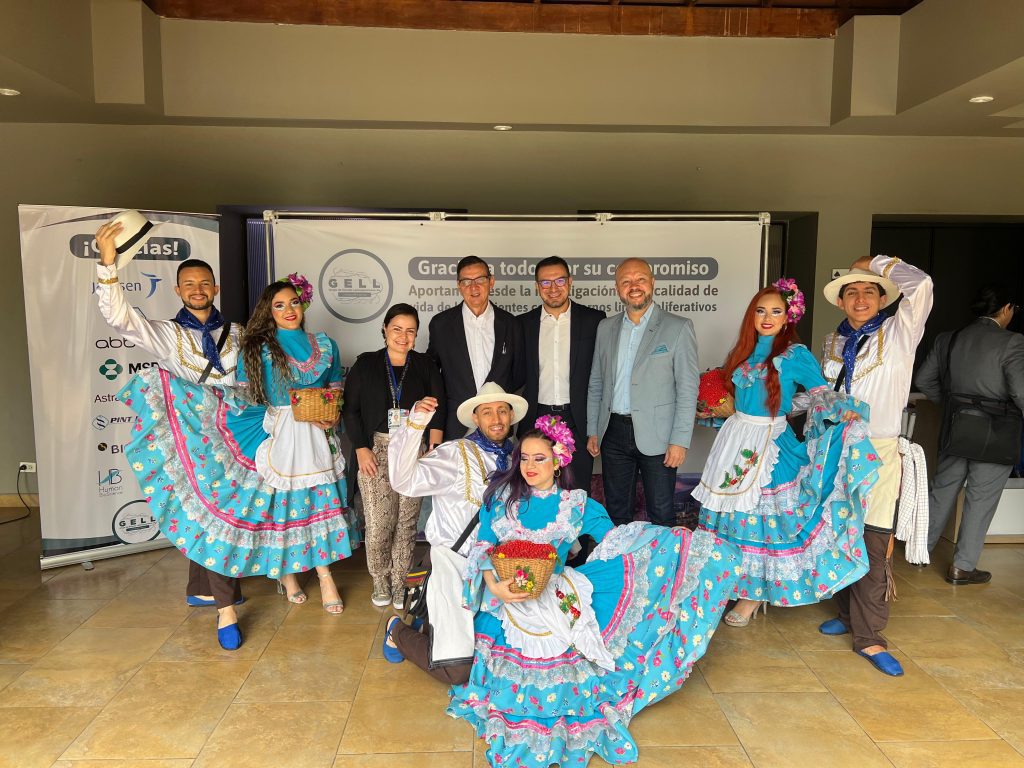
[(892, 291), (491, 393), (136, 231)]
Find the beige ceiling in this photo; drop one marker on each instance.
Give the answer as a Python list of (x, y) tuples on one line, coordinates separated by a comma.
[(115, 61)]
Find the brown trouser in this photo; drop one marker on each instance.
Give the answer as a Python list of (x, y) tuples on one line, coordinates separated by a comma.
[(862, 605), (202, 581), (390, 523), (415, 646)]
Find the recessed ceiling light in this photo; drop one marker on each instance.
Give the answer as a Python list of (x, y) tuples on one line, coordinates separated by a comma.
[(503, 127), (982, 99), (9, 92)]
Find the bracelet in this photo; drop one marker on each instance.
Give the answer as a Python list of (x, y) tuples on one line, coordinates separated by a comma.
[(416, 426), (107, 281)]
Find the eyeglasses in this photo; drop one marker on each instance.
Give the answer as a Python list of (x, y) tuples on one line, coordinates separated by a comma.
[(559, 281), (466, 282)]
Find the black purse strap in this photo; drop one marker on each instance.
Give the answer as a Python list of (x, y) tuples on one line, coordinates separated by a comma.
[(842, 371), (220, 345), (465, 534)]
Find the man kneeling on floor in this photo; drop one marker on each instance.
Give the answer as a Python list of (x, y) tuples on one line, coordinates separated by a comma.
[(455, 474)]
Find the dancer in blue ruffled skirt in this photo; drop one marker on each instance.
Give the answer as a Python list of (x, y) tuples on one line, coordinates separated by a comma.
[(237, 484), (558, 678), (796, 510)]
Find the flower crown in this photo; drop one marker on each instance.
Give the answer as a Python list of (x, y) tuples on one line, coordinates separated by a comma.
[(558, 431), (302, 287), (793, 296)]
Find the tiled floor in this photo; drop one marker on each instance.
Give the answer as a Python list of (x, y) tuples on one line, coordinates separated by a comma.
[(108, 669)]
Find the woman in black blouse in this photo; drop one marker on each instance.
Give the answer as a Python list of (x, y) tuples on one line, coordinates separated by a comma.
[(379, 391)]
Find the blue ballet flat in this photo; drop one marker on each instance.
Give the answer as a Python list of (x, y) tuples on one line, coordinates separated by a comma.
[(392, 654), (884, 662), (198, 602), (230, 637), (833, 627)]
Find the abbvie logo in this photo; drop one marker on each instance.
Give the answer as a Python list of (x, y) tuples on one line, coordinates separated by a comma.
[(112, 342)]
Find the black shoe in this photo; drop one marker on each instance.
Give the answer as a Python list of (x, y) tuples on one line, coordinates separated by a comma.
[(960, 577)]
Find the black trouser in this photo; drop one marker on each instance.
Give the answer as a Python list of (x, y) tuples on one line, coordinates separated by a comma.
[(202, 581), (621, 462), (862, 605), (582, 466)]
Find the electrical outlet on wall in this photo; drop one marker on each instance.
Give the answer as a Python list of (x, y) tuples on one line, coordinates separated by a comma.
[(26, 466)]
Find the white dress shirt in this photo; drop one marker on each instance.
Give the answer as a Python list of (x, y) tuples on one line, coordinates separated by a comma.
[(553, 384), (178, 350), (454, 474), (480, 341)]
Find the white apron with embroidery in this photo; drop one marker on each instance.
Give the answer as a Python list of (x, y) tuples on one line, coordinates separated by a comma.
[(740, 463), (297, 454)]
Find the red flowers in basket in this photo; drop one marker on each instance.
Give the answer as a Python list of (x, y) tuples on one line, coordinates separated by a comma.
[(524, 550), (713, 398)]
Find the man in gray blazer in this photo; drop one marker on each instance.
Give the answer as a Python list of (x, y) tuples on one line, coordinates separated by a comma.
[(642, 397), (987, 361)]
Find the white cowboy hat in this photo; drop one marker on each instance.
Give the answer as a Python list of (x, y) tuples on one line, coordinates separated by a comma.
[(137, 229), (892, 291), (491, 393)]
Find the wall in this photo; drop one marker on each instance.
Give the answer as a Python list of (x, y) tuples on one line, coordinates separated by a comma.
[(845, 179)]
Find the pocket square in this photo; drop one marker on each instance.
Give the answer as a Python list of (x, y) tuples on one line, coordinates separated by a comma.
[(661, 350)]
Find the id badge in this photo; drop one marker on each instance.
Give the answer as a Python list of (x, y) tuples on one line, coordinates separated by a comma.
[(397, 418)]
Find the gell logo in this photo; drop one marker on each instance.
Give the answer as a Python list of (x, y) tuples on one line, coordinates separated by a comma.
[(134, 523), (110, 369), (356, 285), (136, 367), (113, 343)]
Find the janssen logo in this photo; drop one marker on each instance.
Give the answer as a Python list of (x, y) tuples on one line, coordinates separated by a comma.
[(147, 286)]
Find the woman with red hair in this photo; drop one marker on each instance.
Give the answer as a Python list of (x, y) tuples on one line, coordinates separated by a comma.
[(796, 510)]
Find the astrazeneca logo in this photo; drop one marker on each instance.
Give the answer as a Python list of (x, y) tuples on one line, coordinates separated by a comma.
[(356, 285), (133, 523), (110, 369)]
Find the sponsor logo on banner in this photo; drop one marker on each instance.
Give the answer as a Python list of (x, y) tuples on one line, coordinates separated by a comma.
[(114, 447), (133, 523), (356, 285), (109, 482), (113, 342), (136, 367), (102, 422), (110, 369), (105, 399), (137, 286)]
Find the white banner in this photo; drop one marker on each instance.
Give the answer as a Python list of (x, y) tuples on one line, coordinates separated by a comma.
[(704, 270), (88, 496)]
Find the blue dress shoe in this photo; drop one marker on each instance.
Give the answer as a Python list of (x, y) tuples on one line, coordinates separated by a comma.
[(392, 654), (198, 602), (884, 662), (833, 627), (230, 637)]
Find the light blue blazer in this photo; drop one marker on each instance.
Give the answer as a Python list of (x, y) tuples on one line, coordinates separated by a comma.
[(663, 398)]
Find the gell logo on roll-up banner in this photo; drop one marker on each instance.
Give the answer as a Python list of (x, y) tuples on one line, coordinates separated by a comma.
[(79, 364), (356, 286)]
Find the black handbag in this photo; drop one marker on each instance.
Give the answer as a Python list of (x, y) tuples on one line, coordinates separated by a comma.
[(978, 428)]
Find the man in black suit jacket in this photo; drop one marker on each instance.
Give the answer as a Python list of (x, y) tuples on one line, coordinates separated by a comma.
[(551, 385), (474, 342)]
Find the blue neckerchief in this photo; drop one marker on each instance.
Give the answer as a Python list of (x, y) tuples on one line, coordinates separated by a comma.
[(501, 451), (852, 337), (186, 319)]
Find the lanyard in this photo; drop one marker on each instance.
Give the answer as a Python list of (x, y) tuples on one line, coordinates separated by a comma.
[(395, 385)]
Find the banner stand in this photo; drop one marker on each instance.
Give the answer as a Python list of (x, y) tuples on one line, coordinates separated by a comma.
[(87, 556)]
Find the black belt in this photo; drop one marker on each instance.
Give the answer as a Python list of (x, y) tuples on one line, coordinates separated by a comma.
[(555, 408), (625, 416)]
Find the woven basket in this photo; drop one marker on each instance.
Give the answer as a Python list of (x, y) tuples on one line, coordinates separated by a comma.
[(725, 409), (525, 571), (316, 404)]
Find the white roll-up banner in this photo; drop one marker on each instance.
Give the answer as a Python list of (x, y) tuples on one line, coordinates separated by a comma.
[(705, 270), (88, 496)]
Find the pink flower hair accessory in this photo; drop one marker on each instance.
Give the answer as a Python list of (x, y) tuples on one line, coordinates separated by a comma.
[(558, 432), (303, 288), (793, 296)]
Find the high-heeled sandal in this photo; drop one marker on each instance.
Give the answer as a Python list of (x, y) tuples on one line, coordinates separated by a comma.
[(734, 619), (328, 605), (295, 597)]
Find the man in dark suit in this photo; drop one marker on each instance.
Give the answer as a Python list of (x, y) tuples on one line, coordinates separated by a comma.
[(474, 342), (987, 361), (559, 339)]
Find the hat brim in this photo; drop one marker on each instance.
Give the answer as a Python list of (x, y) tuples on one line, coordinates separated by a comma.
[(125, 258), (831, 291), (465, 411)]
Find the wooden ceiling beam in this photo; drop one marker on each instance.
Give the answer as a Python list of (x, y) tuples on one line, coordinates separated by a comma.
[(504, 16)]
